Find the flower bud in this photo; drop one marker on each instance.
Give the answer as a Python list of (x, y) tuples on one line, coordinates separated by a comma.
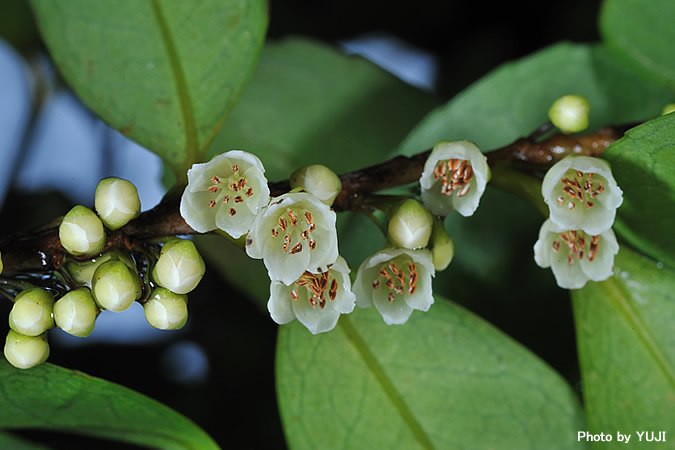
[(115, 286), (670, 107), (1, 265), (31, 314), (319, 181), (116, 202), (570, 113), (81, 232), (180, 267), (442, 247), (410, 226), (166, 310), (454, 178), (75, 313), (82, 272), (24, 352)]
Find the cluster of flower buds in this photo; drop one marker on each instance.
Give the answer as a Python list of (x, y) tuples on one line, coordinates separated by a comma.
[(577, 241), (107, 281)]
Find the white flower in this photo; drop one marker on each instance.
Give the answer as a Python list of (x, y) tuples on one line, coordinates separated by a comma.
[(294, 233), (226, 193), (570, 113), (582, 194), (315, 299), (396, 281), (180, 267), (574, 256), (454, 177)]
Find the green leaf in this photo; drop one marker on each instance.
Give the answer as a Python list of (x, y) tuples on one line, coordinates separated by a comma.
[(627, 350), (445, 379), (643, 163), (55, 398), (308, 103), (9, 441), (642, 33), (165, 73)]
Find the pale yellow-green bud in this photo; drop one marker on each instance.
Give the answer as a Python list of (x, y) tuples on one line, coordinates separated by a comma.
[(115, 286), (24, 352), (116, 202), (319, 181), (442, 247), (82, 272), (410, 225), (670, 107), (81, 232), (180, 267), (570, 113), (1, 265), (32, 312), (166, 310), (75, 313)]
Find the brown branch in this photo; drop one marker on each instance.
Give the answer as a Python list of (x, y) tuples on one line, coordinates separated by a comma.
[(42, 250)]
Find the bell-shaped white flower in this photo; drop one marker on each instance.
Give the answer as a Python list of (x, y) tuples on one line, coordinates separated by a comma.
[(315, 299), (24, 352), (180, 267), (411, 224), (319, 181), (582, 194), (81, 232), (31, 313), (225, 193), (76, 312), (454, 178), (570, 113), (166, 310), (294, 233), (397, 281), (575, 256), (116, 202)]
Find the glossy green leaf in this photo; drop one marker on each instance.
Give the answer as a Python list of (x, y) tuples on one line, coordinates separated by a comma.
[(643, 163), (163, 72), (54, 398), (642, 33), (445, 379), (308, 103), (627, 350)]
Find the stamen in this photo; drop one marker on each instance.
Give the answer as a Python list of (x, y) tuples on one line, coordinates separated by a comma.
[(580, 195), (297, 248), (452, 164), (398, 289), (213, 188), (570, 191), (412, 267), (249, 192), (464, 191), (561, 200), (215, 180), (332, 292), (304, 234), (580, 174), (312, 301), (593, 248), (376, 284), (308, 217), (293, 217), (556, 246), (570, 259), (242, 183), (412, 289), (393, 268), (282, 223), (212, 203), (226, 199), (312, 244), (312, 227), (275, 232), (384, 272), (570, 205), (390, 283), (235, 168), (391, 297), (412, 280), (234, 187), (287, 242), (589, 204), (600, 187), (233, 211), (238, 199), (294, 294)]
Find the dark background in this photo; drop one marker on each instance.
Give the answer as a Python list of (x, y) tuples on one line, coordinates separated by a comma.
[(236, 403)]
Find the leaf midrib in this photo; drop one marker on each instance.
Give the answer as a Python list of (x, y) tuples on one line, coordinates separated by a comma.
[(182, 91), (387, 386)]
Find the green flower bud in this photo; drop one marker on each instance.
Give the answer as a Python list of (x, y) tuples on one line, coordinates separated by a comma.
[(24, 352), (442, 247), (670, 107), (32, 312), (166, 310), (115, 286), (319, 181), (410, 226), (82, 272), (180, 267), (75, 313), (116, 202), (1, 265), (570, 113), (81, 232)]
